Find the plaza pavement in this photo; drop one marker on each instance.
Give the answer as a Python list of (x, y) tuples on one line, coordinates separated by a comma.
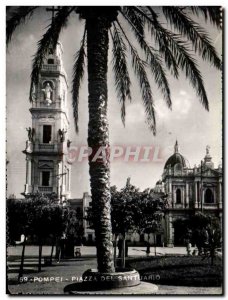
[(91, 251), (53, 279)]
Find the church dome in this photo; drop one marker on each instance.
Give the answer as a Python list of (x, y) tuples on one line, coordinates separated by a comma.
[(176, 158)]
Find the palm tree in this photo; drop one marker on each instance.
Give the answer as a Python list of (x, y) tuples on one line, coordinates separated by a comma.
[(170, 49)]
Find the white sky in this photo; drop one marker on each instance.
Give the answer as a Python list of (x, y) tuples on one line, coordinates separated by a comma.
[(188, 121)]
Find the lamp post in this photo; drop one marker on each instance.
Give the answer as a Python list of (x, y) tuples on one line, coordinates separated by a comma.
[(59, 193)]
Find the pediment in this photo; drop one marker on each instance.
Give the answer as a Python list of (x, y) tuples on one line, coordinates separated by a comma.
[(209, 172), (46, 165)]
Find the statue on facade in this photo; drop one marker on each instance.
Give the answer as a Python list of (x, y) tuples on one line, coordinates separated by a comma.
[(128, 183), (33, 93), (48, 93), (31, 133), (208, 149), (68, 143), (62, 133)]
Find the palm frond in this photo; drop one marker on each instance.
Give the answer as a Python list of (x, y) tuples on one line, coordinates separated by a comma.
[(49, 39), (139, 68), (165, 52), (213, 13), (189, 65), (17, 17), (78, 73), (122, 78), (194, 32), (153, 60), (136, 19), (179, 50)]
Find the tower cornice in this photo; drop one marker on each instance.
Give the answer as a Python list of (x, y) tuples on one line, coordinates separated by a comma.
[(39, 110)]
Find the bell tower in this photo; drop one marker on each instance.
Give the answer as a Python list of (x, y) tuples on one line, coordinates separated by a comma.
[(47, 168)]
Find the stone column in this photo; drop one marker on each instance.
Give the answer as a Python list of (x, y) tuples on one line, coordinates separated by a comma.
[(170, 186), (183, 195), (170, 198), (220, 194), (173, 195), (28, 175), (170, 231), (29, 171), (36, 176), (196, 196), (187, 195), (202, 191)]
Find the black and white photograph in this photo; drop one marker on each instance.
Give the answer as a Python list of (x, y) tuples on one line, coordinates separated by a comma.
[(114, 150)]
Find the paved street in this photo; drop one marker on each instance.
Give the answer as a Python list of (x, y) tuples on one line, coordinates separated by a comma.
[(53, 279), (91, 251)]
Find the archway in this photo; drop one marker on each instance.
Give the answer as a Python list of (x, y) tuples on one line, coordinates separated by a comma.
[(180, 227), (208, 196), (178, 196)]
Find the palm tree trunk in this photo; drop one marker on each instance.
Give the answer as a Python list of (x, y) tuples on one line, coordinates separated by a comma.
[(98, 136)]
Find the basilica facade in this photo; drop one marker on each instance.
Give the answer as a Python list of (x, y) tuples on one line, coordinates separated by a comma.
[(189, 190)]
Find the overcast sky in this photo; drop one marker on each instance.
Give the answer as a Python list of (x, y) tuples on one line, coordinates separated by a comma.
[(188, 122)]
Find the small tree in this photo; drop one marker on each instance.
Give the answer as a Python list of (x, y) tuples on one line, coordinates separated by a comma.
[(56, 225), (149, 214), (133, 210), (44, 211), (38, 216), (123, 210), (16, 220), (72, 228), (205, 234), (19, 221)]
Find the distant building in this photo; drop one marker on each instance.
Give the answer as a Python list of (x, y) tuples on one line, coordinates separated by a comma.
[(81, 206), (189, 190)]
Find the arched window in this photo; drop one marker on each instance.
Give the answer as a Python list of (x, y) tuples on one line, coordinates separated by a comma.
[(178, 196), (208, 196)]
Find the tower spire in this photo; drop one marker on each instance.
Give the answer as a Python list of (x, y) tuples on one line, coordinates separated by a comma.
[(176, 147), (208, 159), (208, 150)]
